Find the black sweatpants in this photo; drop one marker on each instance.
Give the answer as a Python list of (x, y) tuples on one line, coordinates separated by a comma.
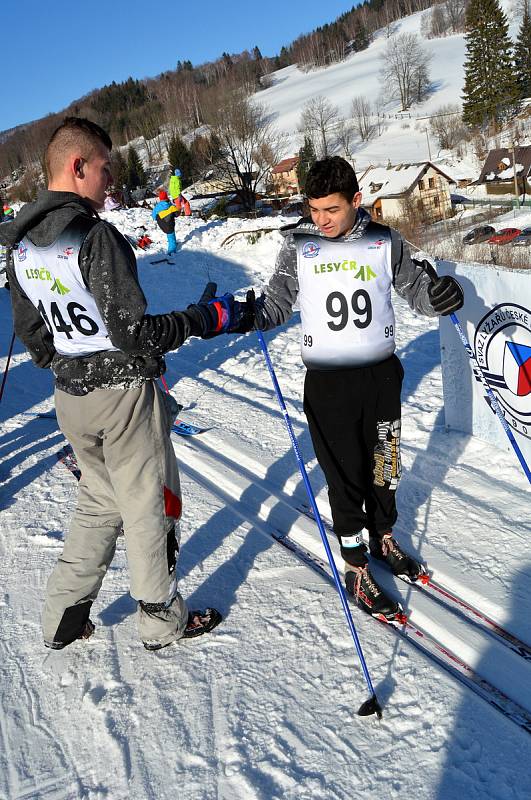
[(354, 420)]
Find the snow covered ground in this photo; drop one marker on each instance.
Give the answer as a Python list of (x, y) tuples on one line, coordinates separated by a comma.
[(265, 707)]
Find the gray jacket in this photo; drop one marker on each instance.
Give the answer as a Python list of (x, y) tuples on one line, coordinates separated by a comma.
[(409, 280), (108, 266)]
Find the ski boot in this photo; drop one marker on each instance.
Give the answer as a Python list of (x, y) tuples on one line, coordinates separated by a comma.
[(199, 622), (403, 566), (143, 242), (369, 596), (86, 632)]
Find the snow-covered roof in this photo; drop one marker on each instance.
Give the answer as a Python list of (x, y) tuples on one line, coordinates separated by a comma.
[(509, 173), (499, 164), (393, 181)]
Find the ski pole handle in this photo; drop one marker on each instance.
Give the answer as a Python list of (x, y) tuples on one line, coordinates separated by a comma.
[(480, 375)]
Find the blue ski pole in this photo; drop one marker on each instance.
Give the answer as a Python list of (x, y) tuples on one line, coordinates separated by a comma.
[(478, 372), (370, 706)]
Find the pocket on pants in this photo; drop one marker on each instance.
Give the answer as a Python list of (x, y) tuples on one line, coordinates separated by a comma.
[(387, 460)]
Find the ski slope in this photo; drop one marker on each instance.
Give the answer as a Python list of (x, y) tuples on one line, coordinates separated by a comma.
[(264, 708), (406, 137)]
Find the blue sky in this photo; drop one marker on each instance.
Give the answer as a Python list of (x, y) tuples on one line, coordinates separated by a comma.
[(56, 51)]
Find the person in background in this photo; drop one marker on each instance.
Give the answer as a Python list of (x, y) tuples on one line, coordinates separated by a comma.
[(341, 267), (126, 194), (3, 250), (8, 212), (178, 199), (164, 214), (110, 203), (79, 309)]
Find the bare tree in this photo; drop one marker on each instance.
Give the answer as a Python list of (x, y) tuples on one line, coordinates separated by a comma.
[(344, 133), (379, 109), (363, 115), (455, 13), (249, 145), (319, 117), (447, 126), (405, 69), (433, 23)]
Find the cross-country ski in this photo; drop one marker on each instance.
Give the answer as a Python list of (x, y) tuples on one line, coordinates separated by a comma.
[(265, 402)]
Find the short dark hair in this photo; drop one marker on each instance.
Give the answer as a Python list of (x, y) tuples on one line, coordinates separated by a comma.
[(331, 175), (74, 132)]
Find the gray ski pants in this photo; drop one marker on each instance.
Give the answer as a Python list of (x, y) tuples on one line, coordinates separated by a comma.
[(130, 478)]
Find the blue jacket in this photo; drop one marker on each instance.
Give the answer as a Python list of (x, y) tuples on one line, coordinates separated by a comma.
[(164, 214)]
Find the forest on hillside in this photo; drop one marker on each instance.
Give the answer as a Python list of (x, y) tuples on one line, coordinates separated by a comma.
[(202, 118), (187, 97)]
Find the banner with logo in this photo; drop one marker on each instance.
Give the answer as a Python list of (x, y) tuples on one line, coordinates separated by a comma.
[(496, 318)]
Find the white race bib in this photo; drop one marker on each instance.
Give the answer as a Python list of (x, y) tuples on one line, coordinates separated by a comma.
[(347, 318), (50, 277)]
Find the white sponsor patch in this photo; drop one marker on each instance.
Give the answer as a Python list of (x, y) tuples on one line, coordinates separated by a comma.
[(351, 541)]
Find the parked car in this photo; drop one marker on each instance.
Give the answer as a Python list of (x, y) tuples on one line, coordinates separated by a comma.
[(505, 236), (479, 234), (459, 199), (523, 238)]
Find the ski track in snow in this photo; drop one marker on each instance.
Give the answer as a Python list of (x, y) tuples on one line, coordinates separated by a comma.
[(264, 708)]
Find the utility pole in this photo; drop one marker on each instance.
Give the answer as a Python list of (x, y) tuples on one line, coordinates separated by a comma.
[(517, 193), (428, 140)]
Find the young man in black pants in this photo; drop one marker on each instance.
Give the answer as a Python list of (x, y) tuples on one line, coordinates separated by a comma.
[(341, 266)]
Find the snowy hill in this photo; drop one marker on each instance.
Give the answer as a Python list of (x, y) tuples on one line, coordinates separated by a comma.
[(265, 707), (404, 140)]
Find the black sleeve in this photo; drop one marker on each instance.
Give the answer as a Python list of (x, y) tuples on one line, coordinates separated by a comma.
[(109, 269), (276, 305), (409, 279)]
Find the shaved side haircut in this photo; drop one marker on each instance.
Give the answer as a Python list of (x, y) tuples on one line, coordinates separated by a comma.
[(74, 133)]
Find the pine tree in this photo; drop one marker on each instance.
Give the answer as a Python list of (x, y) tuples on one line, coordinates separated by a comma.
[(179, 156), (227, 61), (283, 60), (136, 175), (307, 158), (119, 169), (362, 38), (522, 55), (490, 90)]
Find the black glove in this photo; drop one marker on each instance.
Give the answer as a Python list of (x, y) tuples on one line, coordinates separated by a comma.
[(446, 295), (243, 314)]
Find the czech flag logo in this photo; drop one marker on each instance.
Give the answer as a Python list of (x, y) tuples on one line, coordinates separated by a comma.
[(517, 368)]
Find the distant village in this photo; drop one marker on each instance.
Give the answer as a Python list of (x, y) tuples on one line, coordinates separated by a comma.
[(433, 190)]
